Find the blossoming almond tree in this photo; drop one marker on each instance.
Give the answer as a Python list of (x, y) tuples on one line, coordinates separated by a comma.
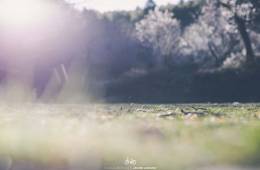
[(222, 32), (160, 31), (212, 38), (244, 15)]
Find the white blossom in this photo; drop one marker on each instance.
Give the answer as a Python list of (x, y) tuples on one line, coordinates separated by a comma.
[(160, 31), (210, 38)]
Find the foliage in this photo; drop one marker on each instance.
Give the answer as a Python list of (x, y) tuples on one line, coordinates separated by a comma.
[(161, 31), (212, 38), (150, 5), (243, 13)]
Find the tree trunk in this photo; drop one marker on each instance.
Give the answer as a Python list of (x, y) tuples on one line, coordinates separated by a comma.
[(246, 39)]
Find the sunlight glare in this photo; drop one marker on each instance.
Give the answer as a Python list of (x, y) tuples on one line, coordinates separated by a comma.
[(18, 13)]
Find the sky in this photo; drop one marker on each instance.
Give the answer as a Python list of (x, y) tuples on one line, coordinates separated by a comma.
[(110, 5)]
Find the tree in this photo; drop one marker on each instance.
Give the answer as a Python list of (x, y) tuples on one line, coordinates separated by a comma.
[(255, 23), (160, 31), (186, 12), (244, 14), (212, 37), (149, 6)]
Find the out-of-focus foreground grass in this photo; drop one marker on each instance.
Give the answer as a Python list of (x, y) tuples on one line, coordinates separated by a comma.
[(129, 136)]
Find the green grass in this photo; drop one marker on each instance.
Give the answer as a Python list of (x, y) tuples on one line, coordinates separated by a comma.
[(103, 136)]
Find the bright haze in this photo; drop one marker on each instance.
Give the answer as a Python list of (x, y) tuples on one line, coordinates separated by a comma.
[(113, 5)]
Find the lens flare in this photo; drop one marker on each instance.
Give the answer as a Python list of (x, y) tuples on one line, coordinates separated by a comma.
[(16, 13)]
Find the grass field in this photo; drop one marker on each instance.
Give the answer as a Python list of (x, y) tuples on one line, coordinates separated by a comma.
[(129, 136)]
